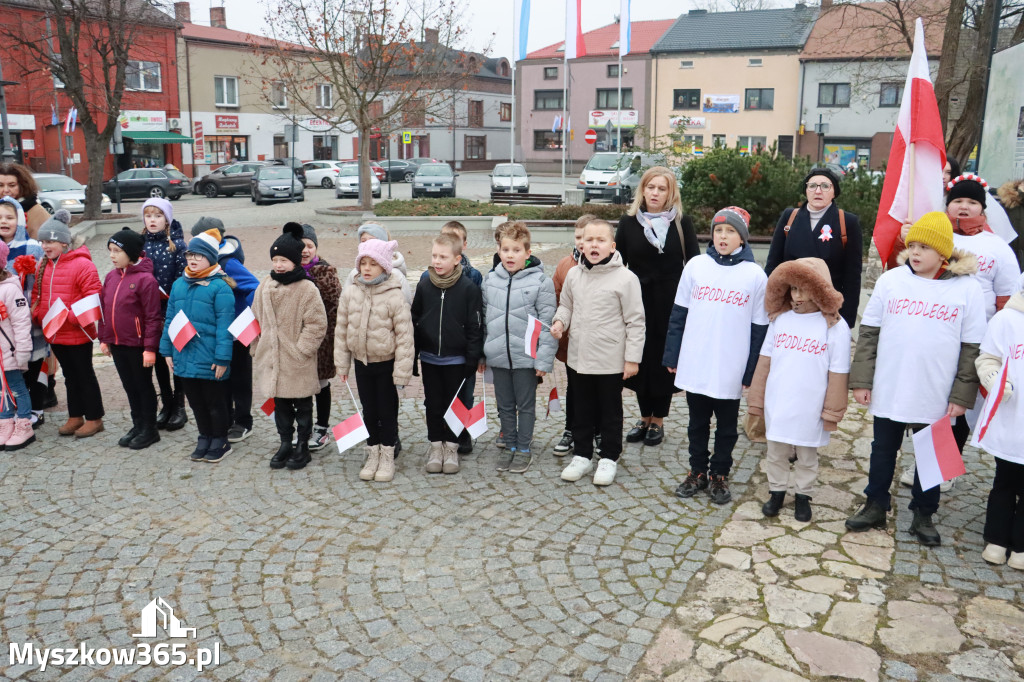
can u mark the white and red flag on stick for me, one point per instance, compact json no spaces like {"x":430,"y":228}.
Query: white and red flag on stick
{"x":938,"y":458}
{"x":181,"y":330}
{"x":350,"y":432}
{"x":245,"y":328}
{"x":55,"y":318}
{"x":532,"y":336}
{"x":44,"y":373}
{"x":993,"y":400}
{"x":913,"y":183}
{"x":87,"y":309}
{"x":554,"y":404}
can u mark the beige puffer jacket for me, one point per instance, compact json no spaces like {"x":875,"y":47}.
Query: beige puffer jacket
{"x":375,"y":325}
{"x":292,"y":323}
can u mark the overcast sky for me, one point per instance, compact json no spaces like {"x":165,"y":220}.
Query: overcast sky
{"x":487,"y":21}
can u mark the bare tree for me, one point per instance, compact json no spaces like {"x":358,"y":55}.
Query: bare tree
{"x":93,"y":41}
{"x":380,"y":63}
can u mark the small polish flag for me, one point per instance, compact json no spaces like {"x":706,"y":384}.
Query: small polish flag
{"x":350,"y":432}
{"x":532,"y":336}
{"x":455,"y":416}
{"x":55,"y":318}
{"x":474,"y":421}
{"x":245,"y":328}
{"x":87,"y":309}
{"x":554,"y":404}
{"x":268,"y":408}
{"x":44,"y":377}
{"x":181,"y":330}
{"x":163,"y":294}
{"x":992,"y":402}
{"x":938,"y":458}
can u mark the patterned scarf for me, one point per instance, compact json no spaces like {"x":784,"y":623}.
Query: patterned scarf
{"x":656,"y":226}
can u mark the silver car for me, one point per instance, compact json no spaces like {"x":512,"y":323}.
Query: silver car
{"x":510,"y":177}
{"x":59,"y":191}
{"x":275,"y":183}
{"x":346,"y":183}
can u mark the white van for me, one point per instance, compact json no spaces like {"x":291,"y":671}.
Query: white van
{"x":614,"y":176}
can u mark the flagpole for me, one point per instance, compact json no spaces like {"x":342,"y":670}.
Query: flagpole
{"x":512,"y":132}
{"x":910,"y":194}
{"x":618,"y":120}
{"x":353,"y":397}
{"x":565,"y":103}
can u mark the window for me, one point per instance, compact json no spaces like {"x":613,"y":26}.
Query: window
{"x":226,"y":148}
{"x":892,"y":94}
{"x":324,"y":96}
{"x":476,"y":147}
{"x":325,"y":147}
{"x":613,"y":70}
{"x":693,"y":143}
{"x":476,"y":113}
{"x":754,"y":61}
{"x":547,"y":99}
{"x":505,"y":111}
{"x":752,"y":144}
{"x":718,"y":141}
{"x":278,"y":95}
{"x":142,"y":76}
{"x":609,"y":98}
{"x":685,"y":63}
{"x":225,"y":91}
{"x":834,"y":95}
{"x":762,"y":99}
{"x":550,"y":73}
{"x":545,"y":139}
{"x":280,"y":147}
{"x":686,"y":99}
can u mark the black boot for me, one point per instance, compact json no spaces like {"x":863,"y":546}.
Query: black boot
{"x":871,"y":515}
{"x":924,"y":529}
{"x":178,"y":415}
{"x":303,"y":427}
{"x":166,"y":410}
{"x":774,"y":503}
{"x":147,"y":435}
{"x":283,"y":454}
{"x":284,"y":417}
{"x":51,"y":395}
{"x":803,"y":508}
{"x":126,"y":439}
{"x":398,"y":445}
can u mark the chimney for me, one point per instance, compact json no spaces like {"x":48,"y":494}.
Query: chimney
{"x":698,"y":11}
{"x":430,"y":35}
{"x":217,"y":19}
{"x":183,"y":12}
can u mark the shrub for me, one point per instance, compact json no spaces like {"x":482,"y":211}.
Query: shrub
{"x":467,"y":207}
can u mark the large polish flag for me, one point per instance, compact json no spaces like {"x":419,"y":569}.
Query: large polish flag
{"x":625,"y":28}
{"x":181,"y":330}
{"x":574,"y":46}
{"x":938,"y":458}
{"x":913,"y":185}
{"x":350,"y":432}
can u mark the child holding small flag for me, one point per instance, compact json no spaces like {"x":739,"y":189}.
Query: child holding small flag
{"x":130,"y":332}
{"x":999,"y":433}
{"x":67,"y":276}
{"x":293,"y":322}
{"x":15,"y":350}
{"x":602,"y":306}
{"x":515,"y":291}
{"x":446,"y":317}
{"x":374,"y":330}
{"x":197,"y":344}
{"x":914,"y":362}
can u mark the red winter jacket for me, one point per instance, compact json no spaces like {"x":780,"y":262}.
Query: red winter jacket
{"x":70,"y":277}
{"x":131,"y":307}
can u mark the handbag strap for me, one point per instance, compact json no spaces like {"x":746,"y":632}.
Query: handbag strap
{"x":842,"y":224}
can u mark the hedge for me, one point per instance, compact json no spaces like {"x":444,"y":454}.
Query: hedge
{"x":467,"y":207}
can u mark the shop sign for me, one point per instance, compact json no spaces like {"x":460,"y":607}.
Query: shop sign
{"x":688,"y":122}
{"x":143,"y":121}
{"x":721,"y":104}
{"x":599,"y":118}
{"x":21,"y":122}
{"x":225,"y":122}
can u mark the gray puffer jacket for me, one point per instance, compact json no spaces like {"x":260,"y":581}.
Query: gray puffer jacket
{"x":509,"y":300}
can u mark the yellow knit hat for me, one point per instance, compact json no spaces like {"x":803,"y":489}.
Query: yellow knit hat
{"x":934,"y":230}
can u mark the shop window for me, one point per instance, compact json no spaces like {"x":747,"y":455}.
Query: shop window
{"x":225,"y":91}
{"x":324,"y":147}
{"x":222,"y":149}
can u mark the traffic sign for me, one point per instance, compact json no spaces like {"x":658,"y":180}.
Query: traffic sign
{"x":406,"y":137}
{"x":590,"y":137}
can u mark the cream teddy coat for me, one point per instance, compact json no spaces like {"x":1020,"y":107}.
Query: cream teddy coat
{"x":292,"y":323}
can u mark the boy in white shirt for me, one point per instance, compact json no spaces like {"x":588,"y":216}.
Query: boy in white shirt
{"x":800,"y":384}
{"x":914,"y":362}
{"x":717,"y":326}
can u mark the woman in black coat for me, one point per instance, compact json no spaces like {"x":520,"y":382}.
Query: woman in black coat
{"x":655,"y":241}
{"x":815,"y":231}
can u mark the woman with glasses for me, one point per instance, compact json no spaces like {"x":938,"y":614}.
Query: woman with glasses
{"x":820,"y":229}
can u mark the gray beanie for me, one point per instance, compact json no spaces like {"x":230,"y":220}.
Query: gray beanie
{"x":208,"y":223}
{"x":375,"y":230}
{"x":56,"y":228}
{"x":735,"y":217}
{"x":309,"y":233}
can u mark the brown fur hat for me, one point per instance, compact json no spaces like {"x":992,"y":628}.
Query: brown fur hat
{"x":810,"y":274}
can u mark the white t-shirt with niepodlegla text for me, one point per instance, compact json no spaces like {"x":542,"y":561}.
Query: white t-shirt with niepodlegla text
{"x":723,"y":301}
{"x":997,"y":266}
{"x":922,"y":324}
{"x":1004,"y":437}
{"x":803,"y":350}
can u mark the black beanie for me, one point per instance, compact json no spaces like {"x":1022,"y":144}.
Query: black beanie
{"x":826,"y":172}
{"x":289,"y":244}
{"x":968,"y":186}
{"x":128,"y":241}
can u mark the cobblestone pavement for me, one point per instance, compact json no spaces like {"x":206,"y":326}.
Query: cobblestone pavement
{"x":485,"y":575}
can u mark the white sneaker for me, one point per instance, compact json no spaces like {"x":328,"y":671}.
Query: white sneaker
{"x":907,"y":478}
{"x":946,"y":486}
{"x":994,"y":554}
{"x":605,"y":474}
{"x":577,"y":469}
{"x":1016,"y":560}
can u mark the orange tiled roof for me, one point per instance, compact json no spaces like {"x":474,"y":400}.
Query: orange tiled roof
{"x":849,"y":31}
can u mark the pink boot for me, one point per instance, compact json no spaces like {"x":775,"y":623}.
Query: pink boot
{"x":6,"y":430}
{"x":22,"y":435}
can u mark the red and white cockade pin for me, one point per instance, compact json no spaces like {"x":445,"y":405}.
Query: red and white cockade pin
{"x":826,"y":233}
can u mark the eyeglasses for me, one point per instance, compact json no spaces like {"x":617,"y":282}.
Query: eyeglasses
{"x":824,"y":186}
{"x":190,"y":255}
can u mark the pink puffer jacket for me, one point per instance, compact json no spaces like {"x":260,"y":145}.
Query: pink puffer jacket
{"x":15,"y":325}
{"x":71,"y":277}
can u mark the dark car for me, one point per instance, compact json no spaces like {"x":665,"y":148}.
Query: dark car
{"x":399,"y":170}
{"x":275,"y":183}
{"x":434,"y":180}
{"x":295,"y":164}
{"x":136,"y":183}
{"x":229,"y":179}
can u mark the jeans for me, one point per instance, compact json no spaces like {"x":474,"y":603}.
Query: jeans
{"x":727,"y":415}
{"x":884,"y":451}
{"x":16,"y":381}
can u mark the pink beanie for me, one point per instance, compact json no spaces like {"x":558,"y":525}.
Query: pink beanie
{"x":378,"y":250}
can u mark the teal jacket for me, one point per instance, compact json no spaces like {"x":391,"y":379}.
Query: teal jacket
{"x":209,"y":305}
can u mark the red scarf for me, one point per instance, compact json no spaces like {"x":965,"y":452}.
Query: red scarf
{"x":970,"y":226}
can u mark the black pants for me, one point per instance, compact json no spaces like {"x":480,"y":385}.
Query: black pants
{"x":440,"y":384}
{"x":83,"y":390}
{"x":961,"y":432}
{"x":206,"y":398}
{"x":884,"y":451}
{"x":137,"y":382}
{"x":1004,"y":519}
{"x":323,"y":407}
{"x":599,"y":401}
{"x":240,"y":386}
{"x":36,"y":389}
{"x":379,"y":396}
{"x":293,"y":415}
{"x":654,"y":405}
{"x":698,"y":431}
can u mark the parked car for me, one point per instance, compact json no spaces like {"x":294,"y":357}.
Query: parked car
{"x":510,"y":177}
{"x":434,"y":180}
{"x":378,"y":170}
{"x":272,"y":183}
{"x":59,"y":191}
{"x":399,"y":170}
{"x":186,"y":181}
{"x":295,"y":164}
{"x":347,"y":184}
{"x":420,"y":160}
{"x":136,"y":183}
{"x":321,"y":173}
{"x":615,"y":176}
{"x":226,"y":180}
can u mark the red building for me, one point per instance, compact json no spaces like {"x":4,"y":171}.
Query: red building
{"x":149,"y":106}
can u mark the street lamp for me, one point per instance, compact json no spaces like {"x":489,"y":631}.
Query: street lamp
{"x":8,"y":154}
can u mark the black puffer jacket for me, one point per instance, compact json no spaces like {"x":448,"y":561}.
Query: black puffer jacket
{"x":448,"y":321}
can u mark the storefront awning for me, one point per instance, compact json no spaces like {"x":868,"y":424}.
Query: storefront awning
{"x":157,"y":136}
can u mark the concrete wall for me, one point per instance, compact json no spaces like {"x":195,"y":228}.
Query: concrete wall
{"x":1002,"y":142}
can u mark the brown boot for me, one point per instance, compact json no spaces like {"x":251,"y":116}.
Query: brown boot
{"x":70,"y":426}
{"x":89,"y":428}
